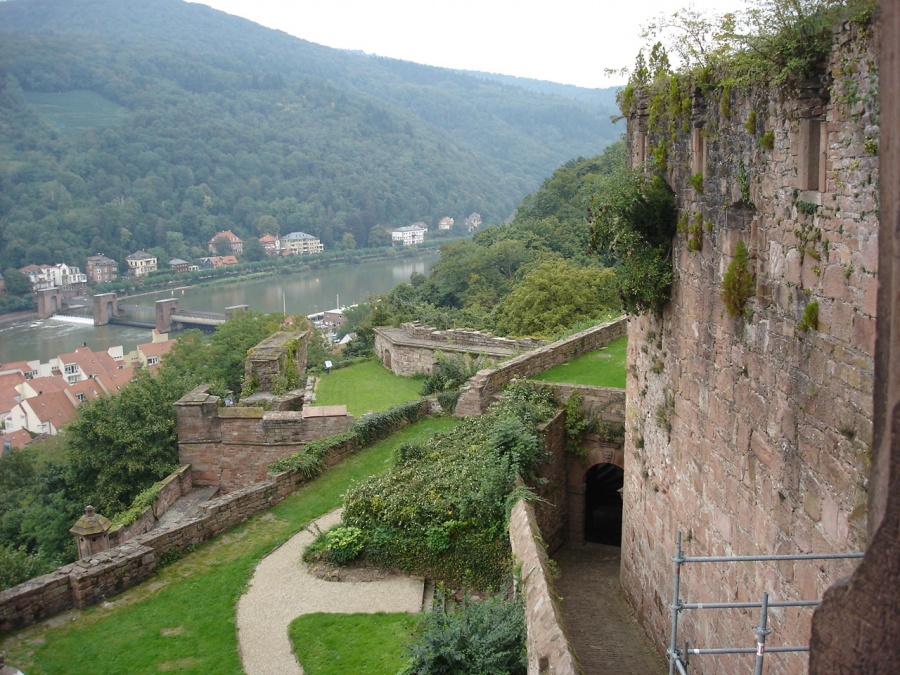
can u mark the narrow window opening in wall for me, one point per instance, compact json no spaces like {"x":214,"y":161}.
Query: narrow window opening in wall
{"x":812,"y":155}
{"x":698,"y":152}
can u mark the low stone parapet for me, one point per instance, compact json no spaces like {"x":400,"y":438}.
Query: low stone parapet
{"x":548,"y":645}
{"x":478,"y":393}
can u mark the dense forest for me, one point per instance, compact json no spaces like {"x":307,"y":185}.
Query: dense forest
{"x":126,"y":125}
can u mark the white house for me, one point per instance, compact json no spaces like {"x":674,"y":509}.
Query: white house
{"x":298,"y":243}
{"x":411,"y":234}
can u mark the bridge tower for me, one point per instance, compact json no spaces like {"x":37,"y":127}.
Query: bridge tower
{"x":106,"y":308}
{"x":49,"y":302}
{"x":164,"y":311}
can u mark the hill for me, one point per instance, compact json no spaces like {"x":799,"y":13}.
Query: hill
{"x":131,"y":125}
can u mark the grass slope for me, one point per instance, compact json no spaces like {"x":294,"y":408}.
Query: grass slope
{"x":183,"y":620}
{"x":364,"y":387}
{"x":602,"y":368}
{"x":362,"y":644}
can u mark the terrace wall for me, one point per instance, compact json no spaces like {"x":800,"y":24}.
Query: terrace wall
{"x":479,"y":391}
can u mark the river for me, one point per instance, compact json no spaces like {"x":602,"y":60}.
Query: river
{"x":305,"y":292}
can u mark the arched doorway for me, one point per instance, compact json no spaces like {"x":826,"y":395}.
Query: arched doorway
{"x":603,"y":504}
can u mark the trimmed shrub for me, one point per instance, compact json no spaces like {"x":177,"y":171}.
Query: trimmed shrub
{"x":486,"y":637}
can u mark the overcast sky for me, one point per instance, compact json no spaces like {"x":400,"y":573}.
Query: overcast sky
{"x":568,"y":41}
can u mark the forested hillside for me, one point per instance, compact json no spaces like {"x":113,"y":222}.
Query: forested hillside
{"x":128,"y":125}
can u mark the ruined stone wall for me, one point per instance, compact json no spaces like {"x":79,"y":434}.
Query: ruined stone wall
{"x":751,"y":435}
{"x":233,"y":447}
{"x":478,"y":393}
{"x":173,"y":486}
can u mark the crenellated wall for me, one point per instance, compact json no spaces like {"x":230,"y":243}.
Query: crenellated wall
{"x":232,"y":447}
{"x":751,"y":435}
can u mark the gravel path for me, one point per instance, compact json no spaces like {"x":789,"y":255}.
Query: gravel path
{"x":281,"y":590}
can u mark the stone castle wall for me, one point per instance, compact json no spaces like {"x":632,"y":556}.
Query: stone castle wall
{"x":88,"y":582}
{"x":412,"y":348}
{"x":232,"y":447}
{"x":478,"y":392}
{"x":751,"y":435}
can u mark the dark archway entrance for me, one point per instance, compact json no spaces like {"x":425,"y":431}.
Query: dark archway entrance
{"x":603,"y":504}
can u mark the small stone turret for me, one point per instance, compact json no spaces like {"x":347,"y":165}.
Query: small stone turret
{"x":91,"y":533}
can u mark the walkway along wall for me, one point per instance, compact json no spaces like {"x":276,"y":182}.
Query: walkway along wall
{"x":751,"y":435}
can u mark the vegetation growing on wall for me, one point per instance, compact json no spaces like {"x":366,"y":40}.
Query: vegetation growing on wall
{"x":633,"y":218}
{"x":739,"y":283}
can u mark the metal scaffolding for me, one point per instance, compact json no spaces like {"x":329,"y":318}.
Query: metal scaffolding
{"x":677,"y":655}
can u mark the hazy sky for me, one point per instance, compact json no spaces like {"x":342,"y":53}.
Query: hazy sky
{"x":569,"y":41}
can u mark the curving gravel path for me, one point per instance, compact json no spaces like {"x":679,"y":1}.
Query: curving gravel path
{"x":281,"y":590}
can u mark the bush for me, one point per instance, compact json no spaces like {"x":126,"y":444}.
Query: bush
{"x":486,"y":637}
{"x":450,"y":372}
{"x":442,"y":510}
{"x":366,"y":431}
{"x":18,"y":566}
{"x":739,"y":283}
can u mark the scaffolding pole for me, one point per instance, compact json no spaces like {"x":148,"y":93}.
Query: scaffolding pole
{"x":761,"y":631}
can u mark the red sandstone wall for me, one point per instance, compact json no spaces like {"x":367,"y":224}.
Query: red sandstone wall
{"x":548,"y":646}
{"x":745,"y":434}
{"x":233,"y":447}
{"x":481,"y":389}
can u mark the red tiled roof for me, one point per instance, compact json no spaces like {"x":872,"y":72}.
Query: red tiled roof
{"x":53,"y":407}
{"x":18,"y":439}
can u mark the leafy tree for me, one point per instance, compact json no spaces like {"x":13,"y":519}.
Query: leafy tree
{"x":16,"y":282}
{"x":222,"y":245}
{"x":633,"y":218}
{"x":253,"y":250}
{"x":555,"y":295}
{"x":121,"y":444}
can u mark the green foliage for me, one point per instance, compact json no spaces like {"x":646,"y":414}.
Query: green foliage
{"x":767,"y":140}
{"x":554,"y":295}
{"x":145,"y":498}
{"x":119,"y":445}
{"x":38,"y":505}
{"x":810,"y":318}
{"x":633,"y":217}
{"x":739,"y":283}
{"x":486,"y":637}
{"x":744,"y":184}
{"x":448,"y":401}
{"x":18,"y":566}
{"x":339,"y":545}
{"x":450,"y":372}
{"x":16,"y":282}
{"x":576,"y":424}
{"x":697,"y":182}
{"x":750,"y":124}
{"x":442,"y":511}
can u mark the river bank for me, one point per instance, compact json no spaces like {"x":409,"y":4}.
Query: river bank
{"x":295,"y":292}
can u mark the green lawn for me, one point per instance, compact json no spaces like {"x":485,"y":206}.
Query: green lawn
{"x":602,"y":368}
{"x":362,"y":644}
{"x":183,"y":619}
{"x":364,"y":387}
